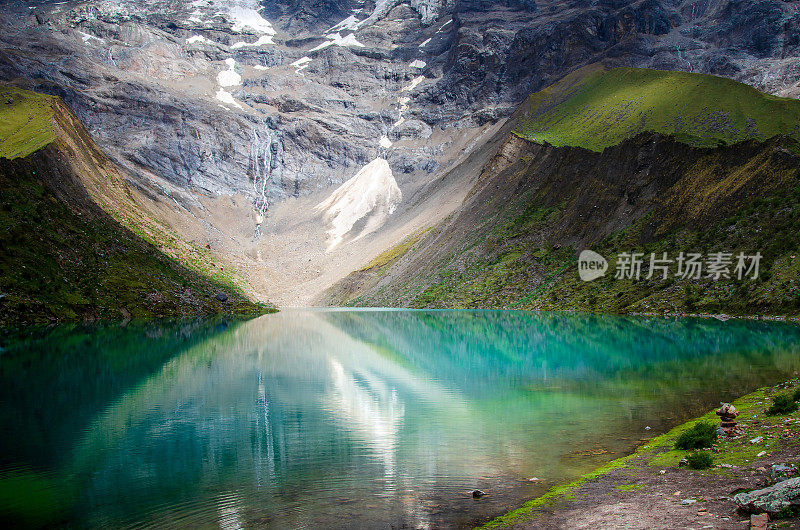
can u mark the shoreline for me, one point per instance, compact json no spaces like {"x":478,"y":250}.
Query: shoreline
{"x":648,"y":489}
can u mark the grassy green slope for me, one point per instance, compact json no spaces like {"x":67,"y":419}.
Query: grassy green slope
{"x":62,"y":256}
{"x":595,"y":109}
{"x":644,"y":161}
{"x":26,"y":122}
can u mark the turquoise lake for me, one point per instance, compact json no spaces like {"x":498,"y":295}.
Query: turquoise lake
{"x":348,"y":418}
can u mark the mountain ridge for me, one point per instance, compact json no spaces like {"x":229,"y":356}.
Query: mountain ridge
{"x":514,"y":241}
{"x":65,"y":255}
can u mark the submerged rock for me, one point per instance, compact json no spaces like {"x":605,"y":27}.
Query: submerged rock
{"x":477,"y":494}
{"x":774,"y":499}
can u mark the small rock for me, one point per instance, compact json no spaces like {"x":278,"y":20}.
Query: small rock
{"x":533,"y":479}
{"x":727,"y":466}
{"x":759,"y":522}
{"x":222,"y":297}
{"x":663,"y":471}
{"x":687,"y":502}
{"x":647,"y":428}
{"x":477,"y":494}
{"x":683,"y":462}
{"x":762,"y":453}
{"x":757,"y":440}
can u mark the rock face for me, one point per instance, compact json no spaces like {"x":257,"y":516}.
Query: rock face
{"x":280,"y":99}
{"x":271,"y":104}
{"x":774,"y":499}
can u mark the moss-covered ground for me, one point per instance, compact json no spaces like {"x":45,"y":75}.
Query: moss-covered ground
{"x":600,"y":108}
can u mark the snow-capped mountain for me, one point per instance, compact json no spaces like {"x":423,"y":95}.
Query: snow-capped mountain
{"x":276,"y":101}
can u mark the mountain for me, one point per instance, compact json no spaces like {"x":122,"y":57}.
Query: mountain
{"x":62,"y":255}
{"x":594,"y":109}
{"x":514,"y":242}
{"x":237,"y":119}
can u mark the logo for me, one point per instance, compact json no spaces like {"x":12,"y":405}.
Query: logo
{"x":591,"y":265}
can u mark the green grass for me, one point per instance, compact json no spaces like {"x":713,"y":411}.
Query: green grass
{"x":64,"y":261}
{"x":782,"y":404}
{"x":26,"y":122}
{"x":388,"y":257}
{"x":595,"y":109}
{"x":659,"y":453}
{"x":701,"y":435}
{"x":700,"y":460}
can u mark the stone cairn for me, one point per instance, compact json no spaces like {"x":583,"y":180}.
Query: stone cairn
{"x":727,"y":414}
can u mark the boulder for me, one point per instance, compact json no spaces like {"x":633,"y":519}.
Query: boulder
{"x":774,"y":499}
{"x":781,"y":472}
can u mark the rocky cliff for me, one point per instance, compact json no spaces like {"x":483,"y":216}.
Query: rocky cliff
{"x":515,"y":240}
{"x":62,"y":255}
{"x":261,"y":104}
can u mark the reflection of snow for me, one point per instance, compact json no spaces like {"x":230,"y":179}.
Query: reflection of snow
{"x":229,"y":77}
{"x":371,"y":409}
{"x":372,"y":193}
{"x":229,"y":505}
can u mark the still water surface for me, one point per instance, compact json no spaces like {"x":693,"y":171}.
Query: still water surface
{"x":363,"y":419}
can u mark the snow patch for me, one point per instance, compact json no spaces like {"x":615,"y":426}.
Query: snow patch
{"x":262,"y":41}
{"x":418,"y":64}
{"x":337,"y":40}
{"x":385,"y":142}
{"x":350,"y":23}
{"x":261,"y":67}
{"x":194,"y":39}
{"x":302,"y":63}
{"x":229,"y":77}
{"x":227,"y":98}
{"x":85,"y":37}
{"x":417,"y":80}
{"x":424,"y":43}
{"x":381,"y":8}
{"x":371,"y":194}
{"x":399,"y":122}
{"x":249,"y":18}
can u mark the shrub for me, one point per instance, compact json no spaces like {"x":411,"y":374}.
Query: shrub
{"x":782,"y":404}
{"x":700,"y":460}
{"x":701,"y":435}
{"x":796,"y":395}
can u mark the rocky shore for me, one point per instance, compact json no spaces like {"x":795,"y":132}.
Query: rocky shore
{"x":752,"y":481}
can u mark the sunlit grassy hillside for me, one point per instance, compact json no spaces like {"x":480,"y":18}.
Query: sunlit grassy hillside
{"x":26,"y":122}
{"x":595,"y":109}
